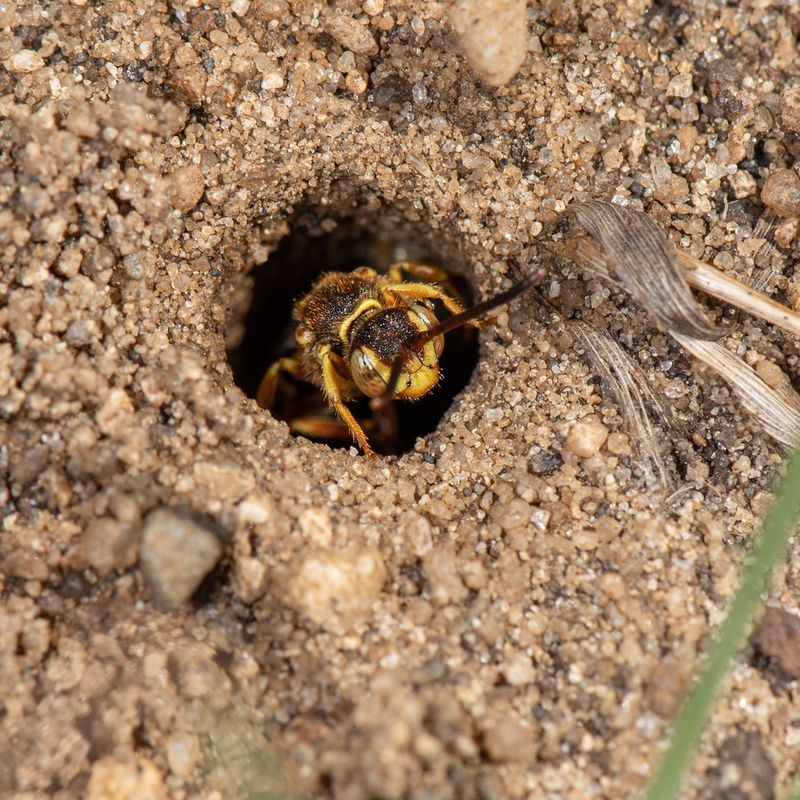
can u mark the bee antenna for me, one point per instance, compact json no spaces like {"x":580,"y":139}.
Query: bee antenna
{"x":449,"y":324}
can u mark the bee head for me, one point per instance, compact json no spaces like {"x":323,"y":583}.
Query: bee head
{"x":389,"y":334}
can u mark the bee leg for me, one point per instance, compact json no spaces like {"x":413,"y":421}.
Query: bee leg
{"x":409,"y":290}
{"x":332,"y":386}
{"x":422,"y":272}
{"x":319,"y":426}
{"x":265,"y":396}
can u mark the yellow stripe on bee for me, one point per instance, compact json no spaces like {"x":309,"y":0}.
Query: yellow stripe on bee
{"x":344,"y":327}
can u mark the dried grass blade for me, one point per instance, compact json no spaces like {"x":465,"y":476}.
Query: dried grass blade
{"x":718,"y":284}
{"x":779,"y":418}
{"x":624,"y":378}
{"x":639,"y":255}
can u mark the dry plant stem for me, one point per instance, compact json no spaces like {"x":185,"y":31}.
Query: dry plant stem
{"x":718,"y":284}
{"x":776,"y":412}
{"x":630,"y":247}
{"x":623,"y":377}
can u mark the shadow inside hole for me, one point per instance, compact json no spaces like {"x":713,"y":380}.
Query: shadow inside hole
{"x":317,"y":244}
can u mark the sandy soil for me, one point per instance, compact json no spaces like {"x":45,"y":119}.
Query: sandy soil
{"x":513,"y":607}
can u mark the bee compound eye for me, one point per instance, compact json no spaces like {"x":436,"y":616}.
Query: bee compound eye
{"x":429,"y":320}
{"x":365,"y":374}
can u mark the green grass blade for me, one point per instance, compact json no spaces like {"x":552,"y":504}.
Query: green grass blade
{"x":770,"y":547}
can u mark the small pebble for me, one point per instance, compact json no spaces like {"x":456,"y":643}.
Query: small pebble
{"x":24,"y":61}
{"x":781,"y":193}
{"x":187,"y":187}
{"x":519,"y":670}
{"x":778,"y":637}
{"x":619,"y":444}
{"x":352,"y":34}
{"x":441,"y":569}
{"x":586,"y":438}
{"x":356,"y":82}
{"x":790,"y":108}
{"x":183,"y":753}
{"x":108,"y":544}
{"x":509,"y":740}
{"x":113,"y":778}
{"x":770,"y":373}
{"x":336,"y":587}
{"x":493,"y":35}
{"x":177,"y":553}
{"x":516,"y":513}
{"x":190,"y":82}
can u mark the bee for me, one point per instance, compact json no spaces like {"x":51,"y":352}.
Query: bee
{"x":366,"y":334}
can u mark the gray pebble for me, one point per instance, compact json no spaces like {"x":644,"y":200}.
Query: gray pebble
{"x":177,"y":553}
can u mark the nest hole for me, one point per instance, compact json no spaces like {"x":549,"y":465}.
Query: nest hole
{"x":263,"y":329}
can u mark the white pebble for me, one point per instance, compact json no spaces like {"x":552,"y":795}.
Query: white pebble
{"x":25,"y":61}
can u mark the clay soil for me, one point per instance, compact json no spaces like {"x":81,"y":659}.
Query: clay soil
{"x":491,"y":613}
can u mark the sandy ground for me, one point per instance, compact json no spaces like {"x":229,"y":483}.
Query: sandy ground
{"x":502,"y":611}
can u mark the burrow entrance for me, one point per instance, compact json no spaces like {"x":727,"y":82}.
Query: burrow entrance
{"x":318,"y":243}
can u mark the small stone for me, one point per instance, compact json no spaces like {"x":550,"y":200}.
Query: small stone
{"x":352,"y":34}
{"x":177,"y":553}
{"x":187,"y":187}
{"x":184,"y":55}
{"x":26,"y":565}
{"x":744,"y":769}
{"x":108,"y":544}
{"x":545,"y":462}
{"x":619,"y":444}
{"x":519,"y":670}
{"x":781,"y":193}
{"x":336,"y":587}
{"x":778,"y":637}
{"x":514,"y":514}
{"x":667,"y":186}
{"x":743,"y":184}
{"x":115,"y":779}
{"x":493,"y":35}
{"x":441,"y":569}
{"x":785,"y":232}
{"x":266,"y":10}
{"x":346,"y":62}
{"x":190,"y":82}
{"x":114,"y":416}
{"x":586,"y":438}
{"x":24,"y":61}
{"x":509,"y":739}
{"x":315,"y":525}
{"x":665,"y":688}
{"x":770,"y":373}
{"x":373,"y":7}
{"x":183,"y":753}
{"x":356,"y":82}
{"x":790,"y":108}
{"x":680,"y":86}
